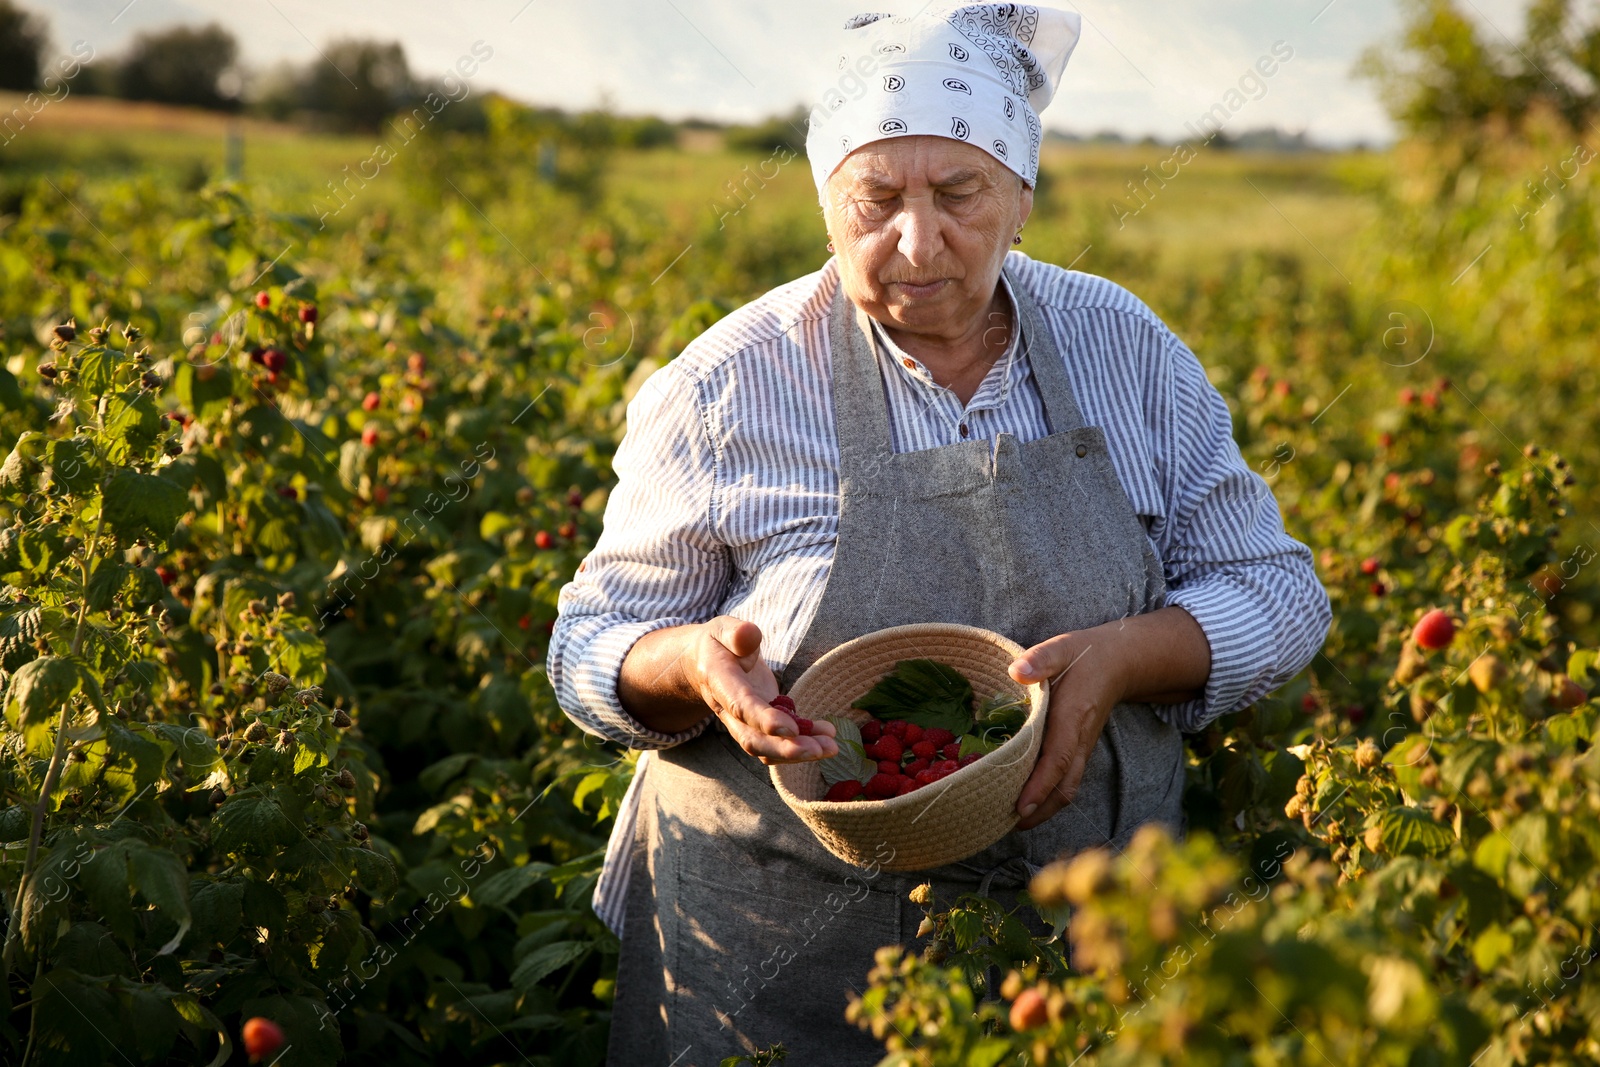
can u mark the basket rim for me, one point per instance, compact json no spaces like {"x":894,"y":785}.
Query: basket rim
{"x":1040,"y":698}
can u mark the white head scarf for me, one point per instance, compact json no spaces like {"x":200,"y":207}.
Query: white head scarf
{"x":979,"y":73}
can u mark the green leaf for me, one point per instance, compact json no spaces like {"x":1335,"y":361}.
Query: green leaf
{"x":164,"y":882}
{"x":1411,"y":830}
{"x":1492,"y":856}
{"x":107,"y":578}
{"x":965,"y":927}
{"x":971,"y":743}
{"x":201,"y":390}
{"x":97,"y":369}
{"x":1492,"y":946}
{"x":500,"y":889}
{"x":132,"y":426}
{"x":73,"y":464}
{"x":544,"y":962}
{"x":216,"y":908}
{"x":136,"y":504}
{"x":20,"y":467}
{"x":925,"y":692}
{"x":374,"y":872}
{"x":39,"y":689}
{"x":253,"y":822}
{"x":851,"y":761}
{"x":103,"y":876}
{"x":436,"y":776}
{"x":1580,"y":664}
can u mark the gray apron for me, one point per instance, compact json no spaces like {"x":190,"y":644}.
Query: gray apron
{"x":742,"y":931}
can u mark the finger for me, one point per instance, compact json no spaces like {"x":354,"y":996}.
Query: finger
{"x":770,"y":749}
{"x":1063,"y":792}
{"x":740,"y":637}
{"x":735,"y":698}
{"x":1047,"y":659}
{"x":1039,"y":799}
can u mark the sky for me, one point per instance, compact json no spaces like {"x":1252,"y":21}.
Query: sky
{"x":1144,"y":68}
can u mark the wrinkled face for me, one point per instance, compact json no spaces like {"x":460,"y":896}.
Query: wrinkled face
{"x":921,"y":226}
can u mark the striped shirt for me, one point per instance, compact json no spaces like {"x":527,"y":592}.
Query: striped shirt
{"x":727,"y":496}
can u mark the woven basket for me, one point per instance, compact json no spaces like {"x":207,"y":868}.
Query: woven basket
{"x":955,"y":817}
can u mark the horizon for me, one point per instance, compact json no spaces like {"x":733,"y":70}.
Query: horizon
{"x":694,"y":60}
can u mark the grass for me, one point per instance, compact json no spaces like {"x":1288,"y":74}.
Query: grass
{"x":1126,"y":200}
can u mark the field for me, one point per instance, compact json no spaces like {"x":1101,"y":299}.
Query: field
{"x":290,"y":503}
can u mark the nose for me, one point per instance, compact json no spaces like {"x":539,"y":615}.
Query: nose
{"x":921,"y":231}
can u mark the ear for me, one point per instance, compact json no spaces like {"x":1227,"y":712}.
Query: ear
{"x":1024,"y":204}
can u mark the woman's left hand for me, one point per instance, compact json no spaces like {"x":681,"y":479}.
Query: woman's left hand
{"x":1161,"y":657}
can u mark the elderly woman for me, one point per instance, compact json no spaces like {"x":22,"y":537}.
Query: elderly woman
{"x":932,"y":427}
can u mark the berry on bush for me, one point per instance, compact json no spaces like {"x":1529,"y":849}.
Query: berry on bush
{"x":262,"y":1037}
{"x":263,"y":300}
{"x":1435,"y":630}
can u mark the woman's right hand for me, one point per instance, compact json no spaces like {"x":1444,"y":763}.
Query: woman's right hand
{"x":671,"y":677}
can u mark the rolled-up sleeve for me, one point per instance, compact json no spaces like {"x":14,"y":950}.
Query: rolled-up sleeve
{"x":657,"y":563}
{"x":1227,"y":558}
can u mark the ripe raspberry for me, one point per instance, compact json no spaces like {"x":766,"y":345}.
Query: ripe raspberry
{"x":951,"y":751}
{"x":926,"y":777}
{"x":1369,"y":565}
{"x":871,"y":730}
{"x":804,"y":726}
{"x":917,"y":765}
{"x":263,"y":300}
{"x":946,"y":766}
{"x":308,"y":313}
{"x":939,"y":736}
{"x":784,"y":701}
{"x":971,"y":757}
{"x":913,"y":733}
{"x":896,"y":728}
{"x":569,"y":530}
{"x":542,"y":540}
{"x":881,"y":786}
{"x":370,"y":402}
{"x":907,"y":785}
{"x":887,"y":747}
{"x":369,"y":435}
{"x":848,"y":789}
{"x":575,"y":498}
{"x":1434,"y":630}
{"x":274,"y":359}
{"x":888,"y":766}
{"x":923,"y":749}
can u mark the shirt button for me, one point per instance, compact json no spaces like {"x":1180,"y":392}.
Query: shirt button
{"x":1082,"y":451}
{"x":911,"y":364}
{"x":963,"y":429}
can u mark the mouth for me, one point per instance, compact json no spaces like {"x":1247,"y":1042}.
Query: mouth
{"x":920,"y":289}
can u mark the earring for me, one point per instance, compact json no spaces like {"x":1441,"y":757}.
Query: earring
{"x":1017,"y":240}
{"x":830,"y":244}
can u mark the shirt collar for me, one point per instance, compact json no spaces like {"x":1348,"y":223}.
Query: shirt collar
{"x":996,"y":384}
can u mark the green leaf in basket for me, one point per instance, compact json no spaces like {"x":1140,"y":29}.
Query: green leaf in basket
{"x":925,"y":692}
{"x":1004,"y":711}
{"x":852,"y":761}
{"x":971,"y":743}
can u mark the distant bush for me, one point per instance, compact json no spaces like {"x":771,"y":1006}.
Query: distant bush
{"x":780,"y":131}
{"x":22,"y":41}
{"x":182,"y":65}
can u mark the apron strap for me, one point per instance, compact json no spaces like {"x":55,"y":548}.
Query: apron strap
{"x":860,"y":406}
{"x":1044,"y":359}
